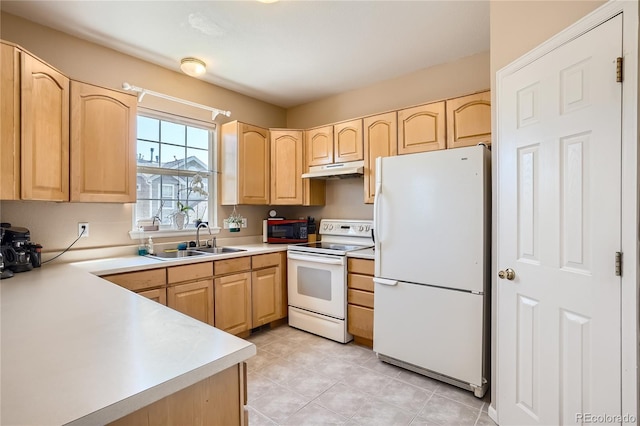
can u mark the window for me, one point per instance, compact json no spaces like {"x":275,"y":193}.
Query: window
{"x":174,"y":159}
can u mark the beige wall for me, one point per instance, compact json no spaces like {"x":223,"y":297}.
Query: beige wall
{"x":518,"y":26}
{"x":55,"y":224}
{"x":460,"y":77}
{"x":345,"y":198}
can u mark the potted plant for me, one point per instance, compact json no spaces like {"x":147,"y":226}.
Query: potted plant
{"x":181,"y":216}
{"x":234,"y":223}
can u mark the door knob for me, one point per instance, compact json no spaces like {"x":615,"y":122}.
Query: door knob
{"x":508,"y":273}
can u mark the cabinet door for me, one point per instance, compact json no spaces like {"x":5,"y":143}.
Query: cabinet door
{"x":103,"y":144}
{"x":266,"y":295}
{"x":319,"y":146}
{"x":10,"y":119}
{"x":286,"y":167}
{"x":45,"y":132}
{"x":380,"y":140}
{"x":360,"y":321}
{"x":469,"y":120}
{"x":194,"y":299}
{"x":421,"y":128}
{"x":157,"y":295}
{"x":254,"y":165}
{"x":347,"y":144}
{"x":233,"y":303}
{"x":244,"y":164}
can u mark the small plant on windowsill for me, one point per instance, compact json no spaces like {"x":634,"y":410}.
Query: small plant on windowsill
{"x":181,"y":215}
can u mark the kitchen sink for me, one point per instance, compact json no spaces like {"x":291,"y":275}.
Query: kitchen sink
{"x":218,"y":250}
{"x":177,"y":254}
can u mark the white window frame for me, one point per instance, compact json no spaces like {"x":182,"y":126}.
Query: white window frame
{"x":135,"y":233}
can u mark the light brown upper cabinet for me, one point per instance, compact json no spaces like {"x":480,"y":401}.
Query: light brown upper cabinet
{"x":469,"y":120}
{"x":319,"y":146}
{"x":10,"y":122}
{"x":244,"y":164}
{"x":103,"y":144}
{"x":380,"y":140}
{"x":38,"y":105}
{"x":44,"y":131}
{"x":347,"y":141}
{"x":286,"y":166}
{"x":421,"y":128}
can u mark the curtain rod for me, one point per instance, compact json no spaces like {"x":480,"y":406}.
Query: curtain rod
{"x":141,"y":92}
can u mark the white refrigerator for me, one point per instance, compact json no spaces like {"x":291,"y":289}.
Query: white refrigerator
{"x":432,"y":263}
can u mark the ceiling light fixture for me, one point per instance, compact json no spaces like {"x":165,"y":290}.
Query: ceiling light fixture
{"x":267,"y":1}
{"x":193,"y":67}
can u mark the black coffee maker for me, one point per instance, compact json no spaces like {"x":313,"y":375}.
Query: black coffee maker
{"x":19,"y":254}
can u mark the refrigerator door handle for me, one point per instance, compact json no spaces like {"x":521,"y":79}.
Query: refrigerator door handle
{"x":385,"y":281}
{"x":376,"y":204}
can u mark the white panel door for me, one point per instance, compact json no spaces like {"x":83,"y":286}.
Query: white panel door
{"x":559,"y":225}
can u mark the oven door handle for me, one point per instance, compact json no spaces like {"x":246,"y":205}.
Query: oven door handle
{"x":316,"y":259}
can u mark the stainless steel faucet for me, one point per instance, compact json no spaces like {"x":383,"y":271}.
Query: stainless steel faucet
{"x":200,"y":225}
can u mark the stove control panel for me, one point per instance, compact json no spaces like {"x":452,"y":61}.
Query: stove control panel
{"x":352,"y":228}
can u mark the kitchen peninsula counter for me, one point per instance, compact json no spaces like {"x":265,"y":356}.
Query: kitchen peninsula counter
{"x":78,"y":349}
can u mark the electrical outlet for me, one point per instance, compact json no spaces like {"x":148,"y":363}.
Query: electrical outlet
{"x":85,"y":226}
{"x":244,"y":222}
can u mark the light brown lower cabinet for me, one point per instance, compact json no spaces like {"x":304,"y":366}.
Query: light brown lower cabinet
{"x":217,"y":400}
{"x":151,"y":283}
{"x":268,"y":288}
{"x":157,"y":295}
{"x":193,"y":298}
{"x":233,"y":302}
{"x":360,"y":300}
{"x":233,"y":295}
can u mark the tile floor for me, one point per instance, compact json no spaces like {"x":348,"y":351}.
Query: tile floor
{"x":298,"y":378}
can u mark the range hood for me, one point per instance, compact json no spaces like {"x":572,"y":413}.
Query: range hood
{"x":335,"y":171}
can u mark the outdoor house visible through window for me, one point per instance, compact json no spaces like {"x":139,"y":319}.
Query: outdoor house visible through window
{"x":174,"y":172}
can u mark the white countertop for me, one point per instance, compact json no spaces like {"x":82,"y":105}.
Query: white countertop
{"x":138,"y":263}
{"x":78,"y":349}
{"x":367,"y":253}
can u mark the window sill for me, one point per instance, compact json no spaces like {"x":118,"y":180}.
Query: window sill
{"x":163,"y":233}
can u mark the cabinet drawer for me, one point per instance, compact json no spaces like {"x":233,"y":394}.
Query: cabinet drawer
{"x":265,"y":260}
{"x":135,"y":281}
{"x":360,"y":321}
{"x":360,"y":266}
{"x":228,"y":266}
{"x":358,"y":297}
{"x":360,"y":282}
{"x":176,"y":274}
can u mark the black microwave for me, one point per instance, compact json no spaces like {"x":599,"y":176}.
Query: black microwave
{"x":284,"y":231}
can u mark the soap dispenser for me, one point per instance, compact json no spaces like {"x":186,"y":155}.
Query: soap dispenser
{"x":150,"y":246}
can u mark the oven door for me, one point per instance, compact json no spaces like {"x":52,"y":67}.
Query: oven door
{"x":317,"y":283}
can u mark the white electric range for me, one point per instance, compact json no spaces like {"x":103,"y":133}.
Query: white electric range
{"x":317,"y":277}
